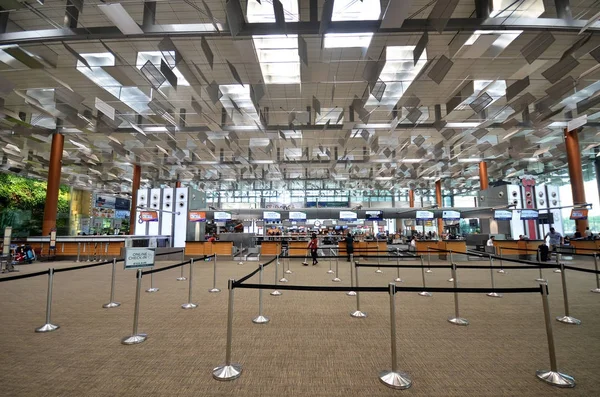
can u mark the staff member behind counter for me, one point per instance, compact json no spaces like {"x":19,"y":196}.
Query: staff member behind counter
{"x":349,"y":245}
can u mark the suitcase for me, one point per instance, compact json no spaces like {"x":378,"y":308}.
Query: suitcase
{"x":544,"y":253}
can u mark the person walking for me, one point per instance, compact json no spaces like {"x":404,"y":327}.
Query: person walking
{"x":556,"y":240}
{"x":313,"y":246}
{"x":349,"y":245}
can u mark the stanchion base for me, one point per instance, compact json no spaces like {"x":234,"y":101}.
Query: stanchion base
{"x":425,"y":293}
{"x":494,"y":295}
{"x":47,"y":328}
{"x":568,"y":320}
{"x":240,"y":263}
{"x":152,"y":289}
{"x":181,"y":279}
{"x":557,"y":271}
{"x":283,"y":280}
{"x":214,"y":290}
{"x":351,"y":293}
{"x":596,"y":290}
{"x":555,"y":378}
{"x":395,"y":380}
{"x":330,"y":271}
{"x":189,"y":306}
{"x":261,"y":320}
{"x":428,"y":271}
{"x":336,"y":280}
{"x":458,"y":321}
{"x":288,"y":272}
{"x":134,"y":339}
{"x":540,"y":280}
{"x":398,"y":280}
{"x":378,"y":271}
{"x":450,"y":280}
{"x":227,"y":372}
{"x":502,"y":271}
{"x":111,"y":305}
{"x":358,"y":314}
{"x":275,"y":293}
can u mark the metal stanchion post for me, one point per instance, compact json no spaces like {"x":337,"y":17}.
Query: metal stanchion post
{"x":330,"y":271}
{"x":282,"y":279}
{"x":557,"y":270}
{"x":241,"y":262}
{"x":423,"y":293}
{"x":451,"y":279}
{"x":501,"y":263}
{"x":214,"y":288}
{"x":552,"y":376}
{"x":89,"y":248}
{"x":567,"y":319}
{"x":276,"y":292}
{"x":152,"y":287}
{"x":136,"y":337}
{"x":378,"y":259}
{"x":106,"y":250}
{"x":393,"y":378}
{"x":351,"y":293}
{"x":429,"y":261}
{"x":229,"y":370}
{"x":456,"y":319}
{"x":357,"y":313}
{"x":493,"y":294}
{"x":78,"y":251}
{"x":189,"y":304}
{"x":398,"y":279}
{"x":288,"y":271}
{"x":48,"y":326}
{"x":98,"y":252}
{"x":181,"y":276}
{"x":597,"y":289}
{"x":260,"y":319}
{"x":112,"y":302}
{"x":305,"y":263}
{"x":337,"y":278}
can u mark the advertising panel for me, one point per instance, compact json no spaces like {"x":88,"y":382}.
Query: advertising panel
{"x":148,"y":216}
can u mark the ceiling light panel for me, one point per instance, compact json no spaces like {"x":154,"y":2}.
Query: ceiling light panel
{"x":119,"y":16}
{"x":352,"y":10}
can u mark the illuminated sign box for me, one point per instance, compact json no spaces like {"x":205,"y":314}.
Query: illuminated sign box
{"x":503,"y":215}
{"x":222,"y":216}
{"x":374,"y":215}
{"x":579,"y":214}
{"x":297,"y":216}
{"x":451,"y":215}
{"x":149,"y":216}
{"x":348,"y":216}
{"x":529,"y":215}
{"x":424,"y":215}
{"x":270,"y":216}
{"x":197,"y":216}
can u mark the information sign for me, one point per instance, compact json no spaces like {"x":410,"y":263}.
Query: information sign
{"x":138,"y":258}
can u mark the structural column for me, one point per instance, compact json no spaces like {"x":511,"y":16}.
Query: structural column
{"x":483,"y":175}
{"x":53,"y":184}
{"x":597,"y":169}
{"x":411,"y":203}
{"x":575,"y":174}
{"x":438,"y":199}
{"x":135,"y":185}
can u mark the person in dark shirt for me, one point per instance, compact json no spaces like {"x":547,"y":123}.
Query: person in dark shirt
{"x":349,"y":245}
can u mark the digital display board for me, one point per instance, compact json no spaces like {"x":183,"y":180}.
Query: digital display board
{"x":503,"y":215}
{"x":424,"y":215}
{"x":270,"y":216}
{"x":348,"y":216}
{"x":297,"y":216}
{"x":528,"y":215}
{"x":374,"y":215}
{"x":451,"y":215}
{"x":579,"y":214}
{"x":222,"y":216}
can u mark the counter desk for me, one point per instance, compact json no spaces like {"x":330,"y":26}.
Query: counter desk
{"x":270,"y":248}
{"x":516,"y":248}
{"x":199,"y":248}
{"x":585,"y":245}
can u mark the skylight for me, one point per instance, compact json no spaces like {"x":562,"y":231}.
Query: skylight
{"x":517,"y":9}
{"x":263,"y":11}
{"x":347,"y":40}
{"x":130,"y":96}
{"x":398,"y":74}
{"x":154,"y":57}
{"x":352,"y":10}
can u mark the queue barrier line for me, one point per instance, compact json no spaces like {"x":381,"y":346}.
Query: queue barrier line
{"x":246,"y":277}
{"x":360,"y":264}
{"x":20,"y":276}
{"x":68,"y":269}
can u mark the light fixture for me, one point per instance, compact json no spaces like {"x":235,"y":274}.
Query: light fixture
{"x":121,"y":18}
{"x":470,"y":160}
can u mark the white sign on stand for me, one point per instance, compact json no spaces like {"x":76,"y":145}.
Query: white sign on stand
{"x":138,"y":258}
{"x":7,"y":236}
{"x":153,"y":242}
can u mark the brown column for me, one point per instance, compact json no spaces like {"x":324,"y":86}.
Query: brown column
{"x":135,"y":185}
{"x":54,"y":172}
{"x":411,"y":198}
{"x":575,"y":174}
{"x":438,"y":199}
{"x":483,"y":175}
{"x":178,"y":184}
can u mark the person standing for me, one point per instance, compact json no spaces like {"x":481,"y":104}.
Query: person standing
{"x":313,"y":246}
{"x":556,"y":239}
{"x":349,"y":245}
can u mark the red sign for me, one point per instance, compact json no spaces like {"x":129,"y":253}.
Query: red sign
{"x":197,"y":216}
{"x":579,"y":214}
{"x":148,"y":216}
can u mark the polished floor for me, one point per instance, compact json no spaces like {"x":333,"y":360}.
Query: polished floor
{"x":311,"y":347}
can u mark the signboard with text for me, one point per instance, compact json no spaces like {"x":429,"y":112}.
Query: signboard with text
{"x":424,"y":215}
{"x":270,"y":216}
{"x":297,"y":216}
{"x":53,"y":239}
{"x":222,"y":216}
{"x":579,"y":215}
{"x":450,"y":215}
{"x":148,"y":216}
{"x":348,"y":216}
{"x":6,"y":244}
{"x":374,"y":215}
{"x":139,"y":258}
{"x":503,"y":215}
{"x":529,"y":215}
{"x":197,"y":216}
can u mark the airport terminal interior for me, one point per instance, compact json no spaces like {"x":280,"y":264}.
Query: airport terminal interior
{"x":299,"y":197}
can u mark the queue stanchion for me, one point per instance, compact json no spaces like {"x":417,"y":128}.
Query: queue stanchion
{"x":351,"y":293}
{"x":597,"y":289}
{"x":106,"y":250}
{"x":288,"y":271}
{"x":282,"y":279}
{"x":337,"y":278}
{"x":189,"y":304}
{"x":136,"y":337}
{"x":78,"y":251}
{"x":552,"y":376}
{"x":398,"y":279}
{"x":260,"y":319}
{"x":229,"y":370}
{"x":305,"y":263}
{"x":330,"y":271}
{"x":424,"y":292}
{"x":181,"y":276}
{"x":48,"y":326}
{"x":392,"y":378}
{"x":566,"y":319}
{"x":428,"y":261}
{"x":378,"y":259}
{"x":558,"y":269}
{"x":152,"y":287}
{"x":276,"y":292}
{"x":493,"y":294}
{"x":451,"y":279}
{"x":214,"y":288}
{"x":241,"y":252}
{"x":456,"y":319}
{"x":541,"y":278}
{"x":88,"y":250}
{"x":357,"y":313}
{"x":501,"y":271}
{"x":112,"y":302}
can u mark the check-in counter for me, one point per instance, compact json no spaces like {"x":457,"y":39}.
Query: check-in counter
{"x":270,"y":248}
{"x":585,"y":245}
{"x":298,"y":248}
{"x":199,"y":248}
{"x":83,"y":248}
{"x":422,"y":246}
{"x":456,"y":246}
{"x":517,"y":247}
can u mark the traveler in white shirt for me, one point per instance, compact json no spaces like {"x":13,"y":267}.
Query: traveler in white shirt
{"x":490,"y":242}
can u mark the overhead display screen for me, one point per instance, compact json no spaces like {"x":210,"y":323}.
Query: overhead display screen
{"x":297,"y":216}
{"x":374,"y":215}
{"x":528,"y":215}
{"x":271,"y":216}
{"x":503,"y":215}
{"x":222,"y":216}
{"x":579,"y":214}
{"x":348,"y":216}
{"x":450,"y":215}
{"x":424,"y":215}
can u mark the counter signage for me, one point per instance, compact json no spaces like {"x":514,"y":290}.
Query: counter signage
{"x":348,"y":216}
{"x":374,"y":215}
{"x":138,"y":258}
{"x":424,"y":215}
{"x":222,"y":216}
{"x":450,"y":215}
{"x":197,"y":216}
{"x":270,"y":216}
{"x":503,"y":215}
{"x":579,"y":214}
{"x":528,"y":215}
{"x":297,"y":216}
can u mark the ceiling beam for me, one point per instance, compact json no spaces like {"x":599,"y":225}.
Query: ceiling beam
{"x":194,"y":30}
